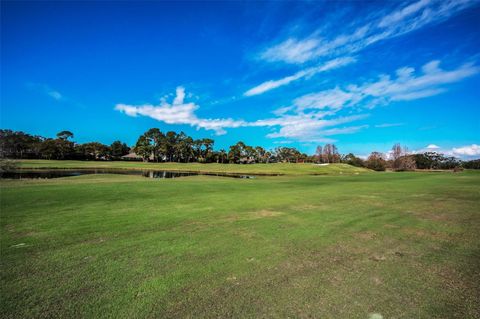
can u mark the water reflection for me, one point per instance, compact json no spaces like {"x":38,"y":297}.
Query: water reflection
{"x":55,"y":173}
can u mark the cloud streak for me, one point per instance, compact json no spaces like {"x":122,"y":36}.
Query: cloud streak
{"x":406,"y":19}
{"x":405,"y":86}
{"x":384,"y":125}
{"x":273,"y":84}
{"x":45,"y":89}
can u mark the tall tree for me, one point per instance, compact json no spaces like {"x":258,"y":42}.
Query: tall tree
{"x":119,"y":149}
{"x":65,"y":148}
{"x":236,"y":152}
{"x":401,"y":160}
{"x":96,"y":150}
{"x":260,"y":154}
{"x":208,"y":145}
{"x":143,"y":148}
{"x":330,"y":154}
{"x":155,"y":139}
{"x":49,"y":148}
{"x":169,"y":145}
{"x":222,"y":156}
{"x":64,"y":135}
{"x":319,"y":153}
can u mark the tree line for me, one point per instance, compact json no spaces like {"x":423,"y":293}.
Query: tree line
{"x":17,"y":144}
{"x":401,"y":160}
{"x":153,"y":145}
{"x":156,"y":146}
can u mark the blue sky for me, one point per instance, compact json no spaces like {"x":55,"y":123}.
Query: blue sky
{"x":364,"y":75}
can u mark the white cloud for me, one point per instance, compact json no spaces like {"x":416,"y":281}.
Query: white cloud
{"x":47,"y":90}
{"x":403,"y":13}
{"x":404,"y":87}
{"x":388,"y":125}
{"x":180,"y":96}
{"x":272,"y":84}
{"x":178,"y":113}
{"x":291,"y":51}
{"x":312,"y":127}
{"x":311,"y":117}
{"x":469,"y":150}
{"x":55,"y":95}
{"x":291,"y":122}
{"x":465,"y":152}
{"x":334,"y":99}
{"x":406,"y":19}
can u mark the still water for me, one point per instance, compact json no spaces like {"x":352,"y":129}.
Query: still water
{"x":55,"y":173}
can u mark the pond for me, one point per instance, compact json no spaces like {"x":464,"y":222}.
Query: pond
{"x":55,"y":173}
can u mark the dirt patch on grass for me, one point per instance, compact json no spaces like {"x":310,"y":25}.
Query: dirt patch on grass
{"x":463,"y":290}
{"x":11,"y":230}
{"x":318,"y":282}
{"x":308,"y":207}
{"x":264,"y":213}
{"x":435,"y":216}
{"x":427,"y":234}
{"x":367,"y":235}
{"x":391,"y":226}
{"x":246,"y":233}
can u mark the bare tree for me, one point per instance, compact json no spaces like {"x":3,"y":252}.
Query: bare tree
{"x":401,"y":160}
{"x":330,"y":154}
{"x":318,"y":154}
{"x":396,"y":155}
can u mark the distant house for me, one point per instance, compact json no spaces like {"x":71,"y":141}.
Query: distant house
{"x":135,"y":157}
{"x":247,"y":160}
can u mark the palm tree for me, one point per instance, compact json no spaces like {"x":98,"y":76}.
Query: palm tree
{"x":222,"y":154}
{"x":208,"y":144}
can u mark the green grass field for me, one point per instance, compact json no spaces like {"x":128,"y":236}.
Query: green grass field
{"x":276,"y":168}
{"x":399,"y":245}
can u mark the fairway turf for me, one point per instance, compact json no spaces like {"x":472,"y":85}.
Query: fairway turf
{"x":402,"y":245}
{"x":272,"y":168}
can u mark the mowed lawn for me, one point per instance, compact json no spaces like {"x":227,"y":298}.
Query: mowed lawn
{"x":271,"y":168}
{"x":399,"y":245}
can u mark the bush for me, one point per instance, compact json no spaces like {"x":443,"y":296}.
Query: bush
{"x":376,"y":162}
{"x":406,"y":163}
{"x":473,"y":164}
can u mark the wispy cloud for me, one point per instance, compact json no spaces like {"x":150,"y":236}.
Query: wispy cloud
{"x":292,"y":51}
{"x":384,"y":125}
{"x":404,"y":87}
{"x":403,"y":13}
{"x":432,"y":147}
{"x":316,"y":46}
{"x":272,"y":84}
{"x":47,"y":90}
{"x":407,"y":18}
{"x":312,"y":126}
